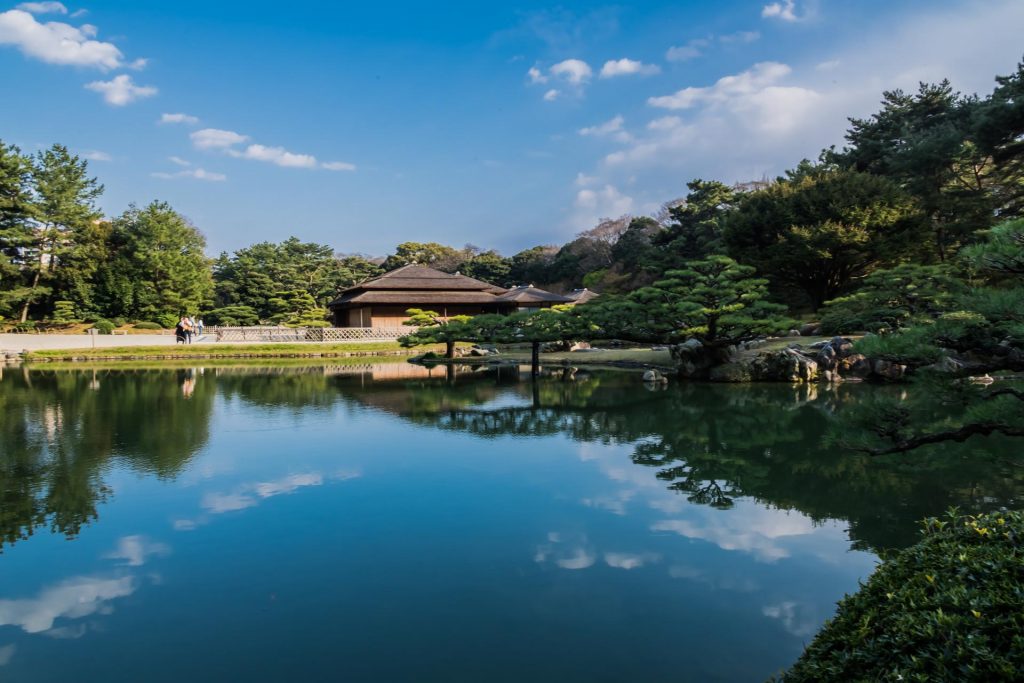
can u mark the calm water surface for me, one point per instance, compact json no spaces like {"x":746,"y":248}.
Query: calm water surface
{"x":373,"y":523}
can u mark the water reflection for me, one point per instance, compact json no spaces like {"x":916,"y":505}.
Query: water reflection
{"x":710,"y":444}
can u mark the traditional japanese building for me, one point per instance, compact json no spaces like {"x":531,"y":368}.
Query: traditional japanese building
{"x":383,"y":301}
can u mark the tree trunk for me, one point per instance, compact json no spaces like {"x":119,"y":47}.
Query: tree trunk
{"x":28,"y":301}
{"x":535,"y":359}
{"x":449,"y":349}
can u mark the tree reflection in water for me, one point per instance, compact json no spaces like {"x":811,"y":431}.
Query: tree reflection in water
{"x":711,"y":443}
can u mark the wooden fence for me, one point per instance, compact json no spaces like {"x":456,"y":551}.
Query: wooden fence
{"x":306,"y":334}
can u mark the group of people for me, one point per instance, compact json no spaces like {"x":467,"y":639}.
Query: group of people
{"x":186,"y":329}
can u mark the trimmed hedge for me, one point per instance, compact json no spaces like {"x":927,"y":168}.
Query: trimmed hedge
{"x":148,"y":326}
{"x":104,"y":326}
{"x":950,"y":608}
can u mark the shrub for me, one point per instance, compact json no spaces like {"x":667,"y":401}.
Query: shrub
{"x":119,"y":321}
{"x":104,"y":326}
{"x":63,"y":312}
{"x":167,"y":320}
{"x":231,"y":316}
{"x":949,"y":608}
{"x":148,"y":326}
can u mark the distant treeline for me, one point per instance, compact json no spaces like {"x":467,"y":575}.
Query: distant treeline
{"x":915,"y":183}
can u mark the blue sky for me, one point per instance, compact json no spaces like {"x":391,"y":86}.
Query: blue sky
{"x":503,"y":125}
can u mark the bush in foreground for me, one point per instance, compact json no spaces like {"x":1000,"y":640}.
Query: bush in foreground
{"x":950,"y":608}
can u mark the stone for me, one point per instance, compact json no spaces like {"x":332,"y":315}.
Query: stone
{"x":810,"y":329}
{"x":793,"y":333}
{"x":655,"y":377}
{"x":731,"y":372}
{"x":888,"y":370}
{"x":580,"y":346}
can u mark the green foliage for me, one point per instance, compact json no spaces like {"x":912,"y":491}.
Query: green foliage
{"x":63,"y":312}
{"x":1001,"y":255}
{"x":822,"y":228}
{"x":167,"y":321}
{"x":715,"y":300}
{"x":922,"y":142}
{"x":893,"y":298}
{"x":148,"y":326}
{"x":232,"y":316}
{"x":489,"y":266}
{"x":696,"y":230}
{"x":948,"y":608}
{"x":158,"y":266}
{"x":913,"y":347}
{"x":104,"y":326}
{"x":255,"y":275}
{"x":430,"y":254}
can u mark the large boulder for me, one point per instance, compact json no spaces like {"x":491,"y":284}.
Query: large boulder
{"x":655,"y":377}
{"x":785,"y":365}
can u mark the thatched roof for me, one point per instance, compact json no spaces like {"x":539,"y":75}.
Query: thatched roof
{"x":415,"y":276}
{"x":582,"y":296}
{"x":416,"y":285}
{"x":528,"y":294}
{"x":438,"y":296}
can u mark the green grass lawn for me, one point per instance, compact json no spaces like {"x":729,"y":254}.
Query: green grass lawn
{"x":230,"y":351}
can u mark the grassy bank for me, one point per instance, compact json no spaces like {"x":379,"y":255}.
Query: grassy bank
{"x":202,"y":351}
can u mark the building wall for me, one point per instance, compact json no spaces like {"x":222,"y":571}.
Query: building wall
{"x":394,"y":316}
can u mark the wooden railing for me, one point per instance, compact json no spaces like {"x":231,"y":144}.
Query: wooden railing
{"x":306,"y":334}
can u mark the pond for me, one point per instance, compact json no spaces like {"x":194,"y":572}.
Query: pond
{"x":392,"y":523}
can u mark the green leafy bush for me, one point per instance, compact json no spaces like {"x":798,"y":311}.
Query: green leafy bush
{"x":63,"y":312}
{"x":894,"y":298}
{"x":119,"y":322}
{"x":167,"y":320}
{"x":148,"y":326}
{"x":949,"y":608}
{"x":232,"y":316}
{"x":913,"y":347}
{"x":104,"y":326}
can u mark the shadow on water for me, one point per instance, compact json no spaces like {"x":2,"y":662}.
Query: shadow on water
{"x":712,"y":444}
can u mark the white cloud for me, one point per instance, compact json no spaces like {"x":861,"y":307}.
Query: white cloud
{"x":582,"y":179}
{"x":747,"y":82}
{"x":275,"y":155}
{"x":785,"y":10}
{"x":592,"y":205}
{"x":44,"y":7}
{"x":195,"y":173}
{"x":536,"y":75}
{"x":581,"y":558}
{"x":121,"y":90}
{"x":215,"y":138}
{"x":228,"y":140}
{"x":288,"y":484}
{"x":179,"y":161}
{"x":692,"y":50}
{"x":613,"y":125}
{"x":740,"y":37}
{"x":179,"y":118}
{"x":573,"y":71}
{"x":56,"y":42}
{"x":72,"y":599}
{"x":665,"y":123}
{"x":761,"y":532}
{"x":552,"y":95}
{"x":135,"y":550}
{"x":219,"y":503}
{"x":629,"y":561}
{"x":827,"y":66}
{"x":627,"y":67}
{"x":96,"y":155}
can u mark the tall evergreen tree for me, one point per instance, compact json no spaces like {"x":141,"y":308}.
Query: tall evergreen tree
{"x":65,"y":215}
{"x":16,"y":233}
{"x":158,"y":267}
